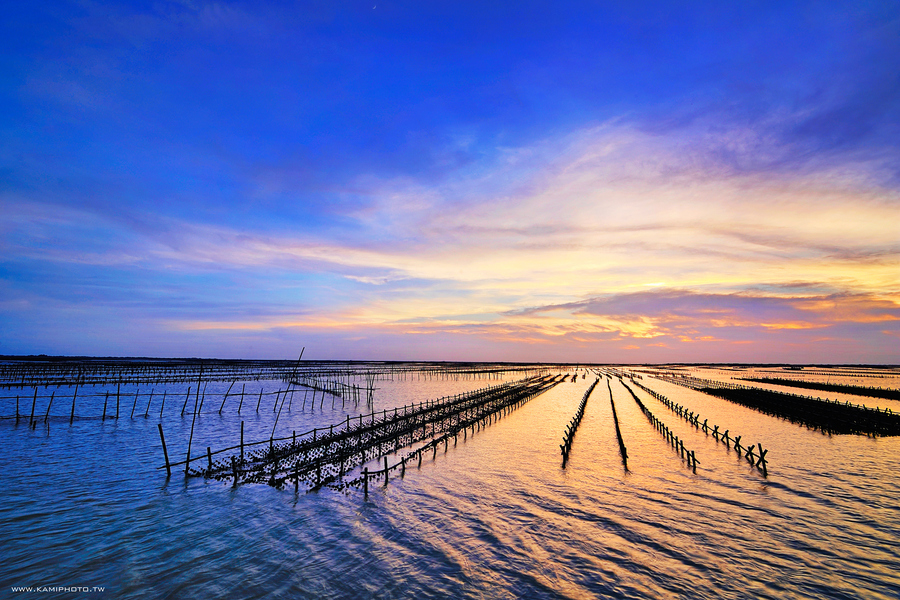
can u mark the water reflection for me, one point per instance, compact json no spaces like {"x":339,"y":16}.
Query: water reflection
{"x":494,"y":517}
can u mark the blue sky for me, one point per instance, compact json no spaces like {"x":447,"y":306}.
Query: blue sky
{"x":487,"y":181}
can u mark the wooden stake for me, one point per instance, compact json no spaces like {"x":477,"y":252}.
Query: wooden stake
{"x":71,"y":417}
{"x":197,"y":393}
{"x":187,"y":462}
{"x":162,"y":439}
{"x":226,"y":396}
{"x":47,"y":416}
{"x":186,"y":398}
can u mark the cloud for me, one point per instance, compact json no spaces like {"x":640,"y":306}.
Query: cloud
{"x":554,"y":244}
{"x":678,"y":309}
{"x":606,"y":208}
{"x":677,"y":320}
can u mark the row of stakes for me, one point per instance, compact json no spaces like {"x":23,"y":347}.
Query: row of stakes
{"x":697,"y":383}
{"x":678,"y":444}
{"x":623,"y":452}
{"x":573,"y":424}
{"x":481,"y":423}
{"x":235,"y":462}
{"x":670,"y":436}
{"x":28,"y":374}
{"x":433,"y":445}
{"x":445,"y":438}
{"x":385,"y":472}
{"x":478,"y":423}
{"x":117,"y":396}
{"x":755,"y":454}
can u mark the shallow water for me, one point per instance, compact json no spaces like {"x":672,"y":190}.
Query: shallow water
{"x":496,"y":516}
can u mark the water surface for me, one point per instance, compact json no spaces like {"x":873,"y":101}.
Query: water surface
{"x":496,"y":516}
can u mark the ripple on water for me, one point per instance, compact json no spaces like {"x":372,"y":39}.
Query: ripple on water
{"x":494,"y":517}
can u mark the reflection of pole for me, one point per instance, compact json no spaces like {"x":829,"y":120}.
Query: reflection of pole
{"x":366,"y":483}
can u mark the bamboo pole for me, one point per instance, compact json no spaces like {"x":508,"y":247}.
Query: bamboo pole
{"x":162,"y":439}
{"x":71,"y":416}
{"x":47,"y":416}
{"x":33,"y":404}
{"x":226,"y":396}
{"x":186,"y":398}
{"x":187,"y":460}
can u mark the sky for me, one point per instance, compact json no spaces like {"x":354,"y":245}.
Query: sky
{"x":626,"y":182}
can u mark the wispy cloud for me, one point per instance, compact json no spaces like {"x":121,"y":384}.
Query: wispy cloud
{"x":608,"y":210}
